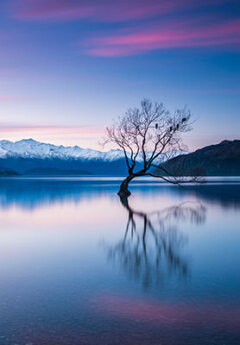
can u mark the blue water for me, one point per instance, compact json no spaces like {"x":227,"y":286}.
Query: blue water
{"x":77,"y":266}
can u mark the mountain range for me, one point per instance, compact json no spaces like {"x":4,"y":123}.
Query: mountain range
{"x":32,"y":158}
{"x":29,"y":148}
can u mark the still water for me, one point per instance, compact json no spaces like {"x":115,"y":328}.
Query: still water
{"x":77,"y":266}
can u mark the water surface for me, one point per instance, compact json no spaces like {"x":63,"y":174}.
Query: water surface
{"x":79,"y":267}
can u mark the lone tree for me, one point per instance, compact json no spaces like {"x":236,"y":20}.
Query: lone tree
{"x":145,"y":135}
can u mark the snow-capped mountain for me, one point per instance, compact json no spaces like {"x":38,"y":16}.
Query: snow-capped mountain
{"x":29,"y":148}
{"x":30,"y":157}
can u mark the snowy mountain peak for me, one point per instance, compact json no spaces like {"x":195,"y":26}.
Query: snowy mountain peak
{"x":27,"y":141}
{"x":30,"y":148}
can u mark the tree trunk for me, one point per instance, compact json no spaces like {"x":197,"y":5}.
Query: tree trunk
{"x":123,"y":191}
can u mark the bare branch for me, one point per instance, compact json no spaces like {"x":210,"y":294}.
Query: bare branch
{"x":147,"y":134}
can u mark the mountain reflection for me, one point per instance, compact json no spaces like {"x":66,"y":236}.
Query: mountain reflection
{"x":151,"y":248}
{"x":30,"y":194}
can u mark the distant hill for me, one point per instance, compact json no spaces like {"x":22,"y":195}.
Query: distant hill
{"x":216,"y":160}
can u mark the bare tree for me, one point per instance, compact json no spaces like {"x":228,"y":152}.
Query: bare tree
{"x":147,"y":134}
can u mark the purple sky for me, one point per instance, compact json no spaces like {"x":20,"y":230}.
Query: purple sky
{"x":68,"y":67}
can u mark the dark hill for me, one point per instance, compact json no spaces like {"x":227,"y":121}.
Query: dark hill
{"x":216,"y":160}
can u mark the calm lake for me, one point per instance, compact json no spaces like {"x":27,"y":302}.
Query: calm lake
{"x":77,"y":266}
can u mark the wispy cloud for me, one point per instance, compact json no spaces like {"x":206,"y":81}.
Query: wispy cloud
{"x":20,"y":127}
{"x":165,"y":35}
{"x":66,"y":135}
{"x":105,"y":10}
{"x":146,"y":28}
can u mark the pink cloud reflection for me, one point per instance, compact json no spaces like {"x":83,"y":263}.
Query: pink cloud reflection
{"x":169,"y":314}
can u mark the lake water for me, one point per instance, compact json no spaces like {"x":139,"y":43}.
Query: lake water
{"x":79,"y":267}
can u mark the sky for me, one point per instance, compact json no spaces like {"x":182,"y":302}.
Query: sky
{"x":68,"y":68}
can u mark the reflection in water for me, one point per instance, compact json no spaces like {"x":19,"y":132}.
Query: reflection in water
{"x":225,"y":195}
{"x":151,"y":248}
{"x":32,"y":193}
{"x":175,"y":316}
{"x":56,"y":288}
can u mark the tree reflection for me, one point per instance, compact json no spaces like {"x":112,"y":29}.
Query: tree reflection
{"x":151,"y":248}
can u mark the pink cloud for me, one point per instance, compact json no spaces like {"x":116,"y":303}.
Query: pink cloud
{"x":164,"y":36}
{"x":44,"y":129}
{"x":199,"y":31}
{"x":50,"y":9}
{"x":59,"y":135}
{"x":105,"y":10}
